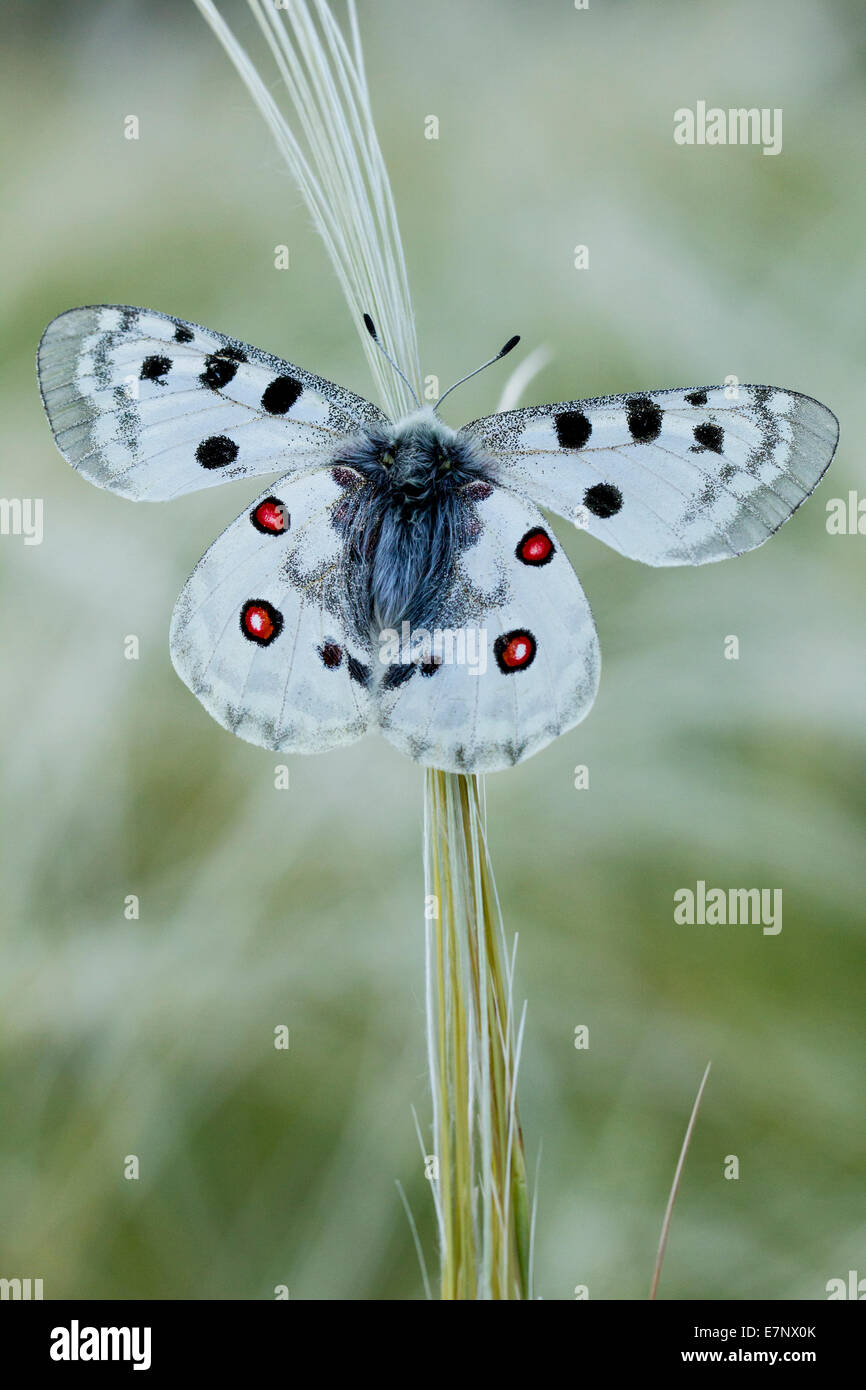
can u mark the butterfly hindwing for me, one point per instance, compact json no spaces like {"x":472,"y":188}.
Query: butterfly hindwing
{"x":515,"y":599}
{"x":257,"y":633}
{"x":668,"y":477}
{"x":150,"y":406}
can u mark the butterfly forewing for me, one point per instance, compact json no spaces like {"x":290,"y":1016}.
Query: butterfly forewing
{"x":668,"y":477}
{"x":514,"y":608}
{"x":151,"y":406}
{"x":258,"y":633}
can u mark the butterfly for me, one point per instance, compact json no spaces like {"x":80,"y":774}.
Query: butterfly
{"x":399,"y":577}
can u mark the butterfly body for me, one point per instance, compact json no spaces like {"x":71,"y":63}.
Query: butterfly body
{"x":400,"y":577}
{"x":409,"y":494}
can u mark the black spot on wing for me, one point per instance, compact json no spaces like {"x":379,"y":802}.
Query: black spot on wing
{"x":280,"y":395}
{"x":396,"y":676}
{"x":155,"y":367}
{"x":696,"y":397}
{"x":709,"y":436}
{"x":644,"y":419}
{"x":219,"y":370}
{"x":182,"y":334}
{"x":358,"y":672}
{"x":332,"y":655}
{"x":603,"y":499}
{"x":572,"y":429}
{"x":216,"y":451}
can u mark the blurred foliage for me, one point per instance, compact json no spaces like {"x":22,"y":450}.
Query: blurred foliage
{"x":260,"y":907}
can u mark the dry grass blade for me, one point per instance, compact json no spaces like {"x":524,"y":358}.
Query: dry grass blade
{"x":666,"y":1223}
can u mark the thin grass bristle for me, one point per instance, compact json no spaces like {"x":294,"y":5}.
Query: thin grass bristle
{"x":675,"y":1185}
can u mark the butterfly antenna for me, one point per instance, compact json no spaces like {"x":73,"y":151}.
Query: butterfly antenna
{"x":503,"y":352}
{"x":371,"y":329}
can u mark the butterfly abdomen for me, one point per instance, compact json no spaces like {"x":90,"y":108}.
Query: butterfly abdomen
{"x":413,"y":561}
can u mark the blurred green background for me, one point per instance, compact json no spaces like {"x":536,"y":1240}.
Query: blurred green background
{"x":261,"y":907}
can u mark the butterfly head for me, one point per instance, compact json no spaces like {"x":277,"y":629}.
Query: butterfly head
{"x":417,"y":461}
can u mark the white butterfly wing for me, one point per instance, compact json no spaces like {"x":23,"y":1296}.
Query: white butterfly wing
{"x":514,"y":597}
{"x":258,"y":635}
{"x":151,"y":407}
{"x":677,"y":477}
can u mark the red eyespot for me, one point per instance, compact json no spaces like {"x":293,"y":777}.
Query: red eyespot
{"x":536,"y":547}
{"x":261,"y":622}
{"x":270,"y":517}
{"x":514,"y":651}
